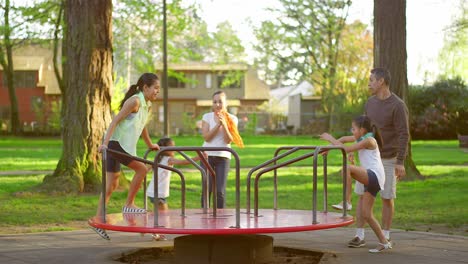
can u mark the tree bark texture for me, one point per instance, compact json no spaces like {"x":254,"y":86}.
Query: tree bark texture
{"x":390,"y":42}
{"x":86,"y":97}
{"x":390,"y":53}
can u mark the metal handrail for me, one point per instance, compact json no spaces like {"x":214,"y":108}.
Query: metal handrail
{"x":317,"y":150}
{"x":212,"y":173}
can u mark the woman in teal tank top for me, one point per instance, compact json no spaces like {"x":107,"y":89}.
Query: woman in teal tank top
{"x":122,"y":135}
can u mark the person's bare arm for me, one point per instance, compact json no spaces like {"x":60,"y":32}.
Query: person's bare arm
{"x":147,"y":139}
{"x":209,"y":134}
{"x":364,"y":144}
{"x":174,"y":161}
{"x":346,"y":139}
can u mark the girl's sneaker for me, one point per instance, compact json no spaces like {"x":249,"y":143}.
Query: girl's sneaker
{"x":130,"y":210}
{"x":101,"y":232}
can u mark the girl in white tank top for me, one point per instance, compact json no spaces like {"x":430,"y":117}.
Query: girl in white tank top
{"x":371,"y":173}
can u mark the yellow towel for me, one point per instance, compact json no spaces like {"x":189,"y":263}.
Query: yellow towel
{"x":236,"y":138}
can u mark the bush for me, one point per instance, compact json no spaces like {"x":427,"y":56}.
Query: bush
{"x":439,"y":111}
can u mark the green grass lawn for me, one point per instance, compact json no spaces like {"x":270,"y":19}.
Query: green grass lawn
{"x":43,"y":153}
{"x":434,"y":204}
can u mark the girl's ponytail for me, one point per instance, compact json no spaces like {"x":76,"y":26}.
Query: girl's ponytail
{"x":366,"y":123}
{"x":147,"y":79}
{"x":131,"y":91}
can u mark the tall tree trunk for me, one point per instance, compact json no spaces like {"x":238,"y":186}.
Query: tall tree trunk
{"x":390,"y":53}
{"x":7,"y":65}
{"x":86,"y":97}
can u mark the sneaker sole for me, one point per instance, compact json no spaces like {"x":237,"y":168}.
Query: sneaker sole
{"x":356,"y":246}
{"x":340,"y":208}
{"x":337,"y":208}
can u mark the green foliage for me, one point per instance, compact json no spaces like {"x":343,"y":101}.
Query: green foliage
{"x":453,"y":57}
{"x":227,"y":47}
{"x":48,"y":116}
{"x":310,"y":40}
{"x":251,"y":126}
{"x":138,"y":43}
{"x":232,"y":78}
{"x":439,"y":111}
{"x":138,"y":30}
{"x":55,"y":116}
{"x":355,"y":58}
{"x":301,"y":41}
{"x":118,"y":94}
{"x":190,"y":121}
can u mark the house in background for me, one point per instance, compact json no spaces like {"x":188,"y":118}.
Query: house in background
{"x":36,"y":85}
{"x":302,"y":114}
{"x":298,"y":105}
{"x":280,"y":96}
{"x":190,"y":99}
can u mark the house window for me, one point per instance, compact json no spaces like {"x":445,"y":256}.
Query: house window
{"x":22,"y":79}
{"x":161,"y":114}
{"x":224,"y":82}
{"x":173,"y":82}
{"x":193,"y":81}
{"x":208,"y":81}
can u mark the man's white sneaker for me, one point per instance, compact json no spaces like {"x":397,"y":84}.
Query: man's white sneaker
{"x":381,"y":247}
{"x":340,"y":206}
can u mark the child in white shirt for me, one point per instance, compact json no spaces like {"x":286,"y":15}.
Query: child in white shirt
{"x":371,"y":174}
{"x":164,"y":177}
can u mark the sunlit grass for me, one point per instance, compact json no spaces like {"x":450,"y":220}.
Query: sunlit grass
{"x":439,"y":199}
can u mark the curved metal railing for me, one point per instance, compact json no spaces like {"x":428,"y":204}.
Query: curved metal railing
{"x":155,"y":165}
{"x":290,"y":150}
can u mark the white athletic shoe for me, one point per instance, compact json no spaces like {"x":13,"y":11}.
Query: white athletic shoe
{"x":340,"y":206}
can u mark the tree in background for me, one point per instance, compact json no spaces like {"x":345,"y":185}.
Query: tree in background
{"x":86,"y":97}
{"x":28,"y":24}
{"x":303,"y":42}
{"x":227,"y":46}
{"x":354,"y":61}
{"x":390,"y":53}
{"x":453,"y":57}
{"x":8,"y":28}
{"x":138,"y":30}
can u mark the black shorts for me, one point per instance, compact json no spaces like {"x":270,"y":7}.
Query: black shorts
{"x":373,"y":186}
{"x":113,"y":160}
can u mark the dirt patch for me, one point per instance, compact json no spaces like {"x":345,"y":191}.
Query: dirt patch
{"x":165,"y":255}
